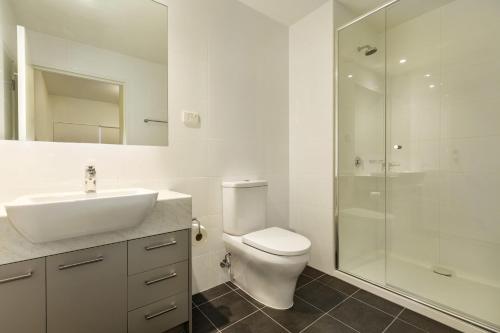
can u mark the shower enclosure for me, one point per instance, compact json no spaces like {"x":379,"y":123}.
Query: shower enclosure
{"x":418,"y":153}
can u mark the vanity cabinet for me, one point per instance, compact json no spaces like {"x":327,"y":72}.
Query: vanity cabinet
{"x":22,"y":297}
{"x":87,"y":290}
{"x":158,"y":282}
{"x":135,"y":286}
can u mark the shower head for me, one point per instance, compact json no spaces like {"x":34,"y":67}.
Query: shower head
{"x":369,"y":49}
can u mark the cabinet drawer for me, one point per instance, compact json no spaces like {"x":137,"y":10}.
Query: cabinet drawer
{"x":160,"y":316}
{"x":22,"y":296}
{"x":148,"y":287}
{"x":87,"y":290}
{"x":152,"y":252}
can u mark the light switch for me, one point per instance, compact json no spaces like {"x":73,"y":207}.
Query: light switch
{"x":191,"y":119}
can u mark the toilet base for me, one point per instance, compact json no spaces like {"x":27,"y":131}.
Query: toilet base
{"x":269,"y":279}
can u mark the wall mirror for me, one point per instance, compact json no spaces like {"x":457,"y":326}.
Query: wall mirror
{"x":87,"y":71}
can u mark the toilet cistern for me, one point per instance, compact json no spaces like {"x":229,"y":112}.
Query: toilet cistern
{"x":90,"y":179}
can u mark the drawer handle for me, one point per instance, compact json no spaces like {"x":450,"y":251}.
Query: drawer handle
{"x":154,"y":315}
{"x":159,"y":246}
{"x":81,"y":263}
{"x":163,"y":278}
{"x":16,"y":278}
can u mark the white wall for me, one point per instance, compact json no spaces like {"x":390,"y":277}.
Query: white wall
{"x":226,"y":62}
{"x":311,"y":133}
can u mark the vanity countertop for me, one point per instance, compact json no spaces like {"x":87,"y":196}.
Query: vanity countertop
{"x":172,"y":212}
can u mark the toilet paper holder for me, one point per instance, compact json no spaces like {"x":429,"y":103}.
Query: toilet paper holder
{"x":199,"y":235}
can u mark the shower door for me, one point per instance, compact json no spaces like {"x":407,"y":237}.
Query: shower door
{"x":418,"y":167}
{"x":361,"y":148}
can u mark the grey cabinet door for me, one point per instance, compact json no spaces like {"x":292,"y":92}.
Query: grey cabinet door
{"x":22,"y":297}
{"x":87,"y":290}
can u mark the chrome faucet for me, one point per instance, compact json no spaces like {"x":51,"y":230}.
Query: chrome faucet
{"x":90,"y":179}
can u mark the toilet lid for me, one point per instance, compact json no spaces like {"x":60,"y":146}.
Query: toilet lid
{"x":278,"y":241}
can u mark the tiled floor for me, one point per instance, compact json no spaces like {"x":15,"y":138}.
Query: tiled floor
{"x":322,"y":304}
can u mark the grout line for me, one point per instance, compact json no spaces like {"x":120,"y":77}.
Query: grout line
{"x":258,"y":308}
{"x":209,"y":320}
{"x":336,"y":306}
{"x":314,"y":322}
{"x":348,"y":296}
{"x":417,"y":327}
{"x":283,"y":327}
{"x":313,"y":279}
{"x":392,"y":322}
{"x":374,"y":307}
{"x":303,"y":300}
{"x":210,"y":300}
{"x":239,"y":320}
{"x":340,"y":291}
{"x":326,"y":313}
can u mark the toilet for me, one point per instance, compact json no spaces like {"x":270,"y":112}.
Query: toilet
{"x":265,"y":262}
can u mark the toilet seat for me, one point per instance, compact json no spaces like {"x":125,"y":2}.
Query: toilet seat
{"x":278,"y":241}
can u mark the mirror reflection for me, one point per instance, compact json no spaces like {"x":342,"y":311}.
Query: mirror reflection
{"x":84,"y":71}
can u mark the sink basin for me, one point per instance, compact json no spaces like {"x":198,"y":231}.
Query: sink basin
{"x":49,"y":217}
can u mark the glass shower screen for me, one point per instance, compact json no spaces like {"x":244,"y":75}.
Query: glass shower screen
{"x":418,"y":170}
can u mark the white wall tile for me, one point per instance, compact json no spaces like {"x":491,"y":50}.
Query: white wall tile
{"x":311,"y":133}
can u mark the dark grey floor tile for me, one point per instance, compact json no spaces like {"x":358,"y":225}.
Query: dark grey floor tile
{"x":297,"y":317}
{"x":210,"y":294}
{"x":320,"y":296}
{"x":378,"y":302}
{"x":312,"y":272}
{"x":338,"y":284}
{"x":399,"y":326}
{"x":328,"y":324}
{"x":232,"y":285}
{"x":256,"y":323}
{"x":361,"y":316}
{"x":302,"y":280}
{"x":425,"y":323}
{"x":250,"y":299}
{"x":227,"y":309}
{"x":201,"y":324}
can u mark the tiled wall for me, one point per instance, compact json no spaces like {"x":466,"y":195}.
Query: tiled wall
{"x":311,"y":133}
{"x":226,"y":62}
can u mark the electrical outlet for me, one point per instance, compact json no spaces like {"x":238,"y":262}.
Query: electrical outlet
{"x":191,"y":119}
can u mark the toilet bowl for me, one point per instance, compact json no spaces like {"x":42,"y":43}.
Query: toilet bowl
{"x":268,"y":278}
{"x":265,"y":262}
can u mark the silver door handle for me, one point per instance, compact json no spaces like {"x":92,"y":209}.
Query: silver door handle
{"x":163,"y":278}
{"x":16,"y":278}
{"x":154,"y":315}
{"x":159,"y":246}
{"x":81,"y":263}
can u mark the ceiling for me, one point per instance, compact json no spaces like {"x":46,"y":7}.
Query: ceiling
{"x":78,"y":87}
{"x":136,"y":28}
{"x":286,"y":12}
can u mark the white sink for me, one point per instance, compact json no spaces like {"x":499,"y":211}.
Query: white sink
{"x":49,"y":217}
